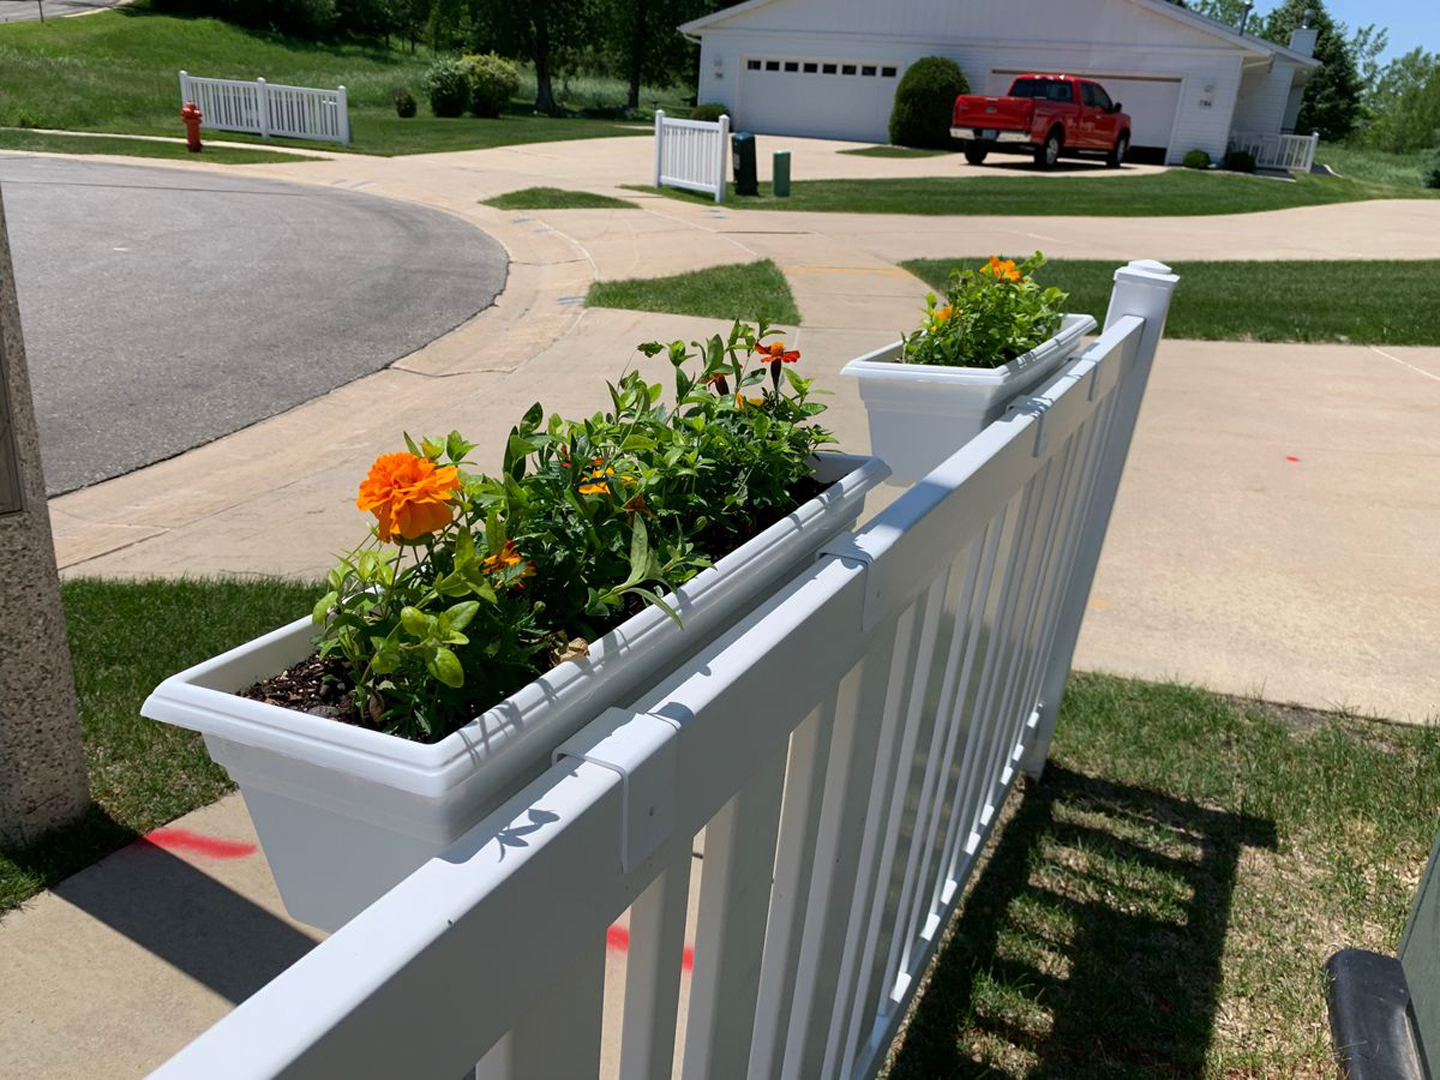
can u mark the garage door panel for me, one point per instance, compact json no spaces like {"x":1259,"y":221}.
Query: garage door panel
{"x":835,"y":106}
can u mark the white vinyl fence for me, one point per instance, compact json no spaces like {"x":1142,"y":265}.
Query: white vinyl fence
{"x":692,"y":154}
{"x":297,"y":112}
{"x":1293,"y":152}
{"x":846,"y":750}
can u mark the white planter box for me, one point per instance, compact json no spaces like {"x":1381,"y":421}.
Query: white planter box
{"x":920,"y":414}
{"x":344,"y":813}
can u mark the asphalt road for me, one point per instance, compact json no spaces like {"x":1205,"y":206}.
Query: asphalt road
{"x":23,"y":10}
{"x":162,"y":309}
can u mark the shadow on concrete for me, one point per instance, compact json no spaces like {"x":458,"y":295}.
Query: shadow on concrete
{"x":167,"y":906}
{"x":1092,"y":942}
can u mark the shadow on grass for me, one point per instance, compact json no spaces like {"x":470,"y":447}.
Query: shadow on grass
{"x":165,"y":905}
{"x":1091,"y":944}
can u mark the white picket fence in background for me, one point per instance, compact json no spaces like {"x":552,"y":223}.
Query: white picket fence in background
{"x":1293,"y":152}
{"x":265,"y":109}
{"x":846,"y":749}
{"x":692,"y":154}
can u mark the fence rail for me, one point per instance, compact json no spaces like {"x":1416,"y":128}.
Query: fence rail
{"x":265,"y":109}
{"x":1293,"y":152}
{"x":692,"y":154}
{"x":846,"y":750}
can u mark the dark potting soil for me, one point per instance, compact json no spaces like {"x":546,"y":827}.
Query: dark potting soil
{"x":323,"y":687}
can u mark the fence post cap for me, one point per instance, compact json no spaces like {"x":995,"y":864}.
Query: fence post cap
{"x":260,"y":79}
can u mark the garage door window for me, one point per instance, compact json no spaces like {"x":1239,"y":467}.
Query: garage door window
{"x":822,"y":67}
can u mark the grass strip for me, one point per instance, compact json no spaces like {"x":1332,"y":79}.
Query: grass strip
{"x":96,"y":144}
{"x":550,"y":198}
{"x":745,"y":291}
{"x":1161,"y":902}
{"x":1175,"y":192}
{"x":1362,"y":303}
{"x":125,"y":637}
{"x":896,"y":152}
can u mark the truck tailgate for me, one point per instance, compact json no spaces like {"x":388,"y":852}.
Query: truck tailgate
{"x":999,"y":113}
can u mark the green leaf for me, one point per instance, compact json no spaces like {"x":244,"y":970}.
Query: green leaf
{"x":459,"y":616}
{"x":416,"y":623}
{"x":432,"y":449}
{"x":456,"y":446}
{"x":385,"y":661}
{"x":410,"y":445}
{"x":324,"y":604}
{"x":445,"y":666}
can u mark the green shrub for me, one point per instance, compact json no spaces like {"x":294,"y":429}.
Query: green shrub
{"x":925,"y":103}
{"x":447,"y":87}
{"x":1430,"y":170}
{"x":492,"y":80}
{"x":709,"y":112}
{"x":1197,"y":159}
{"x":1240,"y":161}
{"x":404,"y":103}
{"x":313,"y":19}
{"x":990,"y":316}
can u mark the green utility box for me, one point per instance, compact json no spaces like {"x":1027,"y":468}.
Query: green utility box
{"x":781,"y":173}
{"x":742,"y":147}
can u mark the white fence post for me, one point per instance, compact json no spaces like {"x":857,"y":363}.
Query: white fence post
{"x":659,"y":143}
{"x":184,"y":87}
{"x":264,"y":109}
{"x":344,"y":107}
{"x":1142,"y":288}
{"x":724,"y":151}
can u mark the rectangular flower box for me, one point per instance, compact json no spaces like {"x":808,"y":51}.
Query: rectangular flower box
{"x":920,"y":414}
{"x":345,"y":813}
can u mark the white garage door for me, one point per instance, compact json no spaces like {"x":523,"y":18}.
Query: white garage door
{"x":824,"y":98}
{"x":1151,"y":102}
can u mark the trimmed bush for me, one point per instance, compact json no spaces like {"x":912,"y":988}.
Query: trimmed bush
{"x":1430,"y":170}
{"x":492,"y":80}
{"x":1197,"y":159}
{"x":1240,"y":161}
{"x":404,"y":103}
{"x":925,"y":103}
{"x":709,"y":112}
{"x":447,"y":87}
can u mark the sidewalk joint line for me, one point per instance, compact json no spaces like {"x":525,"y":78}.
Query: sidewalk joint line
{"x":1412,"y":367}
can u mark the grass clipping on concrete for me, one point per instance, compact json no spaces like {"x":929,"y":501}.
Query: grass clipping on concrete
{"x":750,"y":291}
{"x":1161,"y":902}
{"x":1361,"y":303}
{"x":551,"y":198}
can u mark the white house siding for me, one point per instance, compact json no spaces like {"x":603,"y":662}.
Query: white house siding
{"x":1264,"y":91}
{"x":1104,"y":38}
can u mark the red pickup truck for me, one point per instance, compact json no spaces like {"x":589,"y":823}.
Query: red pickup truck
{"x":1051,"y":114}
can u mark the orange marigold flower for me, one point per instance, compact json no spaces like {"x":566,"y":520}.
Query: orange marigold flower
{"x":742,"y":402}
{"x":944,"y":313}
{"x":599,"y":488}
{"x":505,"y":562}
{"x":408,"y":495}
{"x":775,"y":352}
{"x":1002,"y":269}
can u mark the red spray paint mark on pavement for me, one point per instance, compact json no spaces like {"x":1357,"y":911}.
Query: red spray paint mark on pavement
{"x":185,"y":840}
{"x":1291,"y":457}
{"x":618,"y":938}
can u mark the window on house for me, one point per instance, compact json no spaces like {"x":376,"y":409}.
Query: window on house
{"x":887,"y":72}
{"x":847,"y":69}
{"x":772,"y":65}
{"x":868,"y":69}
{"x":828,"y":69}
{"x":752,"y":65}
{"x":811,"y":69}
{"x":791,"y":65}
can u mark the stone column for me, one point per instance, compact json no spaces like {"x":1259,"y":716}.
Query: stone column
{"x":42,"y":761}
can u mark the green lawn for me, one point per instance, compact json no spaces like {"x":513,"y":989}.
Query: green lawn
{"x":1367,"y":303}
{"x":125,"y":638}
{"x":1400,"y":170}
{"x":747,"y":291}
{"x":1182,"y":192}
{"x":88,"y":144}
{"x":550,"y":198}
{"x":895,"y":152}
{"x":118,"y":71}
{"x":1159,"y":905}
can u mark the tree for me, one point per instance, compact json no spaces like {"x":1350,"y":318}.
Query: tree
{"x":1404,"y":104}
{"x":1331,"y":104}
{"x":641,"y":40}
{"x":548,"y":33}
{"x":1229,"y":12}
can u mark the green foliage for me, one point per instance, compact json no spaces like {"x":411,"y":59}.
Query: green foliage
{"x":1331,"y":104}
{"x":990,"y":316}
{"x":404,"y":103}
{"x":1430,"y":171}
{"x":314,"y":19}
{"x":925,"y":103}
{"x":551,"y":34}
{"x":586,"y":520}
{"x":1197,"y":159}
{"x":1404,"y":104}
{"x":710,"y":112}
{"x":493,"y":81}
{"x":639,"y":42}
{"x":1241,"y":161}
{"x":447,"y":86}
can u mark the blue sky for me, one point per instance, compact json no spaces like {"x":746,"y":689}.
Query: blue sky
{"x":1411,"y":22}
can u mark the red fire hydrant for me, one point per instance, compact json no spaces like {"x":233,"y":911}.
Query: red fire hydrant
{"x":192,"y":116}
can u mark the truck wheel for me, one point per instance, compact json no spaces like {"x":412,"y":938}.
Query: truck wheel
{"x":976,"y":155}
{"x":1117,"y":152}
{"x":1048,"y":153}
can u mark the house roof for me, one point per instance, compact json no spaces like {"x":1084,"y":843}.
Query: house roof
{"x":1229,"y":34}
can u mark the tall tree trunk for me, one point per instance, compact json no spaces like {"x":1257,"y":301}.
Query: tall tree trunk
{"x":544,"y":92}
{"x":638,"y":45}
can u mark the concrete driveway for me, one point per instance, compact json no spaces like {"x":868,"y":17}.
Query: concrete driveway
{"x":165,"y":309}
